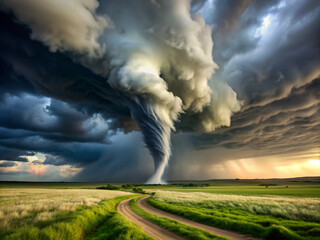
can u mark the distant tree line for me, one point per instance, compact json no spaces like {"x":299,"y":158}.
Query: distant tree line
{"x":124,"y":186}
{"x":192,"y":184}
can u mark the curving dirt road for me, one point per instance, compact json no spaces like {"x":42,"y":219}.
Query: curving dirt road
{"x":142,"y":203}
{"x":148,"y":227}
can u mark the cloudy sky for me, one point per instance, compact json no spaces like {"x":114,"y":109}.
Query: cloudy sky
{"x":114,"y":90}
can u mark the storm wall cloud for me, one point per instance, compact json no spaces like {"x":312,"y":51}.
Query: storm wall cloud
{"x":241,"y":75}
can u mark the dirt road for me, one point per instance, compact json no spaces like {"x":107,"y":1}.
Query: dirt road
{"x":142,"y":203}
{"x":148,"y":227}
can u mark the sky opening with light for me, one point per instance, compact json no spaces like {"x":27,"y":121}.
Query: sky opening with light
{"x":136,"y":91}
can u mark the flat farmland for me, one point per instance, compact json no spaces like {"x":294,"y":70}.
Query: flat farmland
{"x":262,"y":209}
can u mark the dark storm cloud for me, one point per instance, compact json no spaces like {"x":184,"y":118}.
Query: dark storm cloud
{"x":75,"y":153}
{"x":276,"y":73}
{"x":15,"y":173}
{"x":134,"y":162}
{"x":139,"y":74}
{"x":60,"y":128}
{"x":234,"y":24}
{"x":52,"y":119}
{"x":14,"y":154}
{"x":7,"y":164}
{"x":278,"y":127}
{"x":55,"y":103}
{"x":29,"y":63}
{"x":286,"y":56}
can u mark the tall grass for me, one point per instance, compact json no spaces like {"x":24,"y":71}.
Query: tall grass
{"x":82,"y":219}
{"x":19,"y":207}
{"x":119,"y":227}
{"x":235,"y":213}
{"x":306,"y":209}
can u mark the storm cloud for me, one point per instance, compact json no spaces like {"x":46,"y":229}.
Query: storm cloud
{"x":238,"y":75}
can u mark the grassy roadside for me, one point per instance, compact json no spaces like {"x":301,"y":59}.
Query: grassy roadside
{"x":261,"y":226}
{"x":79,"y":224}
{"x":119,"y":227}
{"x":174,"y":226}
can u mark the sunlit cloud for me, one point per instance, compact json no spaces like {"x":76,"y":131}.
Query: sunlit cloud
{"x":38,"y":157}
{"x":265,"y":24}
{"x":308,"y":168}
{"x":38,"y":170}
{"x":68,"y":171}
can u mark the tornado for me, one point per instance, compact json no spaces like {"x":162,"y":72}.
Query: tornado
{"x":152,"y":106}
{"x":156,"y":60}
{"x":156,"y":134}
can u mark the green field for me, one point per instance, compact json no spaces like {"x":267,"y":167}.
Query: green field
{"x":268,"y":217}
{"x":64,"y":214}
{"x":294,"y":188}
{"x":285,"y":209}
{"x":301,"y":187}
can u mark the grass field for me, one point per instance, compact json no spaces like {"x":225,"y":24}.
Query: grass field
{"x":265,"y":217}
{"x":295,"y":190}
{"x":24,"y":206}
{"x":64,"y":214}
{"x":292,"y":187}
{"x":286,"y":209}
{"x":251,"y":187}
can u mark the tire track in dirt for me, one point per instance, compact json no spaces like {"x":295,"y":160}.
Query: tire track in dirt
{"x":148,"y":227}
{"x":143,"y":203}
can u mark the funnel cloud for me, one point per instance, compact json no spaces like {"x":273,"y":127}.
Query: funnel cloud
{"x":159,"y":63}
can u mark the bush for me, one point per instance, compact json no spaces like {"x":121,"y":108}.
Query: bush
{"x":109,"y":187}
{"x":138,"y":190}
{"x":126,"y":186}
{"x":277,"y":232}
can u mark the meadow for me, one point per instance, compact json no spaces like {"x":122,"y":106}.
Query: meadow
{"x":285,"y":209}
{"x":64,"y":214}
{"x":300,"y":187}
{"x":268,"y":217}
{"x":294,"y":188}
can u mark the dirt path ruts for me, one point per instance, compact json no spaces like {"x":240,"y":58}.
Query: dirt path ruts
{"x":148,"y":227}
{"x":142,"y":203}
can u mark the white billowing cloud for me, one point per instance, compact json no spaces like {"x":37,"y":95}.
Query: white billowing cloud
{"x":62,"y":25}
{"x":223,"y":104}
{"x":165,"y":55}
{"x":170,"y":61}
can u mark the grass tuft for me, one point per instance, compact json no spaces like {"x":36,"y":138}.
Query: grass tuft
{"x":120,"y":228}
